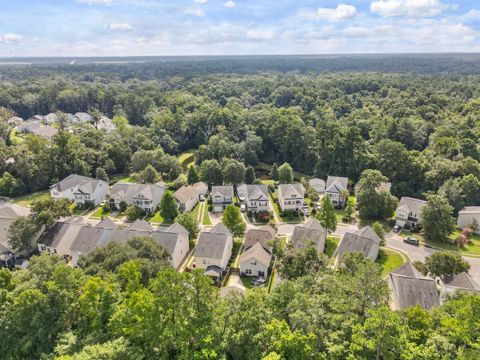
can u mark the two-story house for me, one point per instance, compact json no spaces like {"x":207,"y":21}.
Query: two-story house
{"x":213,"y":251}
{"x":409,"y":212}
{"x":290,"y":196}
{"x":8,"y":214}
{"x":337,"y":189}
{"x":255,"y":197}
{"x":173,"y":239}
{"x":186,"y":198}
{"x":312,"y":232}
{"x":364,"y":241}
{"x":468,"y":216}
{"x":255,"y":260}
{"x":145,"y":196}
{"x":317,"y":184}
{"x":80,"y":189}
{"x":221,"y":197}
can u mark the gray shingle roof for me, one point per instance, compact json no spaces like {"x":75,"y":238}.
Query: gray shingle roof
{"x":258,"y":252}
{"x":264,"y":235}
{"x":312,"y":230}
{"x":127,"y":191}
{"x":412,"y":205}
{"x":211,"y":244}
{"x":410,"y":288}
{"x":168,"y":237}
{"x":140,"y":225}
{"x":362,"y":241}
{"x":257,"y":192}
{"x":336,"y":184}
{"x":222,"y":190}
{"x":462,"y":281}
{"x":85,"y":184}
{"x":288,"y":191}
{"x":12,"y":211}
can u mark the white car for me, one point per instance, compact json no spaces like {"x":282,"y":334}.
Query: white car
{"x":243,"y":207}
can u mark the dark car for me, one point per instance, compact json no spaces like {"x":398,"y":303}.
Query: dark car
{"x":412,"y":241}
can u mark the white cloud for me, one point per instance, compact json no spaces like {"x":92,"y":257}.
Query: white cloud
{"x":193,"y":11}
{"x":120,"y":26}
{"x":472,"y":15}
{"x":341,"y":12}
{"x":230,"y":4}
{"x":11,"y":38}
{"x":96,"y":2}
{"x":355,"y":31}
{"x":200,"y":1}
{"x":408,"y":8}
{"x":260,"y":35}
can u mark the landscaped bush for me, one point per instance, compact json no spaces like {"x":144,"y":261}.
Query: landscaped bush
{"x":263,"y":216}
{"x":133,"y":213}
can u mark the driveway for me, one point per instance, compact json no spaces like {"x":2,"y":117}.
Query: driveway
{"x":395,"y":241}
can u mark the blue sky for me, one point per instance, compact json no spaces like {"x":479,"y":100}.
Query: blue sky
{"x":212,"y":27}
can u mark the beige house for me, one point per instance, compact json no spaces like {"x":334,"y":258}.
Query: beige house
{"x":337,"y":189}
{"x":290,"y":196}
{"x":469,"y":216}
{"x":221,"y":197}
{"x":145,"y":196}
{"x":364,"y":241}
{"x":255,"y":261}
{"x":80,"y":189}
{"x":8,"y":214}
{"x":174,"y":239}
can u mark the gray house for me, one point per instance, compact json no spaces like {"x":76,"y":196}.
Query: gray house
{"x":364,"y":241}
{"x":310,"y":232}
{"x":317,"y":184}
{"x":221,"y":197}
{"x":264,"y":235}
{"x":174,"y":239}
{"x":461,"y":282}
{"x":145,"y":196}
{"x":409,"y":288}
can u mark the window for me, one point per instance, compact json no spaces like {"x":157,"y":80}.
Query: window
{"x":204,"y":261}
{"x":261,"y":274}
{"x":253,"y":262}
{"x":248,"y":271}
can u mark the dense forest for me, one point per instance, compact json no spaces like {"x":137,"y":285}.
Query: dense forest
{"x":420,"y":130}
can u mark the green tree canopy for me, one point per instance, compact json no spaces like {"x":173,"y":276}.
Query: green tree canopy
{"x":232,"y":219}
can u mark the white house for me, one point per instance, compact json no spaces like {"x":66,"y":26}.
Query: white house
{"x":174,"y":239}
{"x":8,"y":214}
{"x":255,"y":261}
{"x":337,"y":189}
{"x":213,"y":251}
{"x":221,"y":197}
{"x":317,"y":184}
{"x":310,"y":232}
{"x":469,"y":216}
{"x":255,"y":197}
{"x":290,"y":196}
{"x":145,"y":196}
{"x":186,"y":198}
{"x":80,"y":189}
{"x":409,"y":211}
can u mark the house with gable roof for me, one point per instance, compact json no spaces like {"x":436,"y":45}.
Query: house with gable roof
{"x":145,"y":196}
{"x":291,"y":196}
{"x":80,"y":189}
{"x":337,"y":189}
{"x":364,"y":241}
{"x":409,"y":211}
{"x":222,"y":195}
{"x":310,"y":232}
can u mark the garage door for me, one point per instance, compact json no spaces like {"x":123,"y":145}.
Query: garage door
{"x":217,"y":208}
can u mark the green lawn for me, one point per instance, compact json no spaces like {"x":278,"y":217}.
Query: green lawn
{"x":196,"y":210}
{"x":247,"y":282}
{"x":100,"y":213}
{"x":26,"y":200}
{"x":296,"y":219}
{"x":122,"y":178}
{"x":389,"y":260}
{"x":331,"y":245}
{"x":469,"y":249}
{"x":206,"y":218}
{"x":186,"y":158}
{"x":268,"y":181}
{"x":156,"y":218}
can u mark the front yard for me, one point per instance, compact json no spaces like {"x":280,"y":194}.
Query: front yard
{"x":470,"y":249}
{"x":155,"y":218}
{"x":100,"y":213}
{"x":291,"y":218}
{"x":389,"y":260}
{"x":331,"y":244}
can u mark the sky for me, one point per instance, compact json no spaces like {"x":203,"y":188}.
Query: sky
{"x":236,"y":27}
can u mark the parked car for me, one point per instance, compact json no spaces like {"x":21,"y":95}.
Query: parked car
{"x":412,"y":241}
{"x":397,"y":228}
{"x":258,"y":281}
{"x":243,"y":207}
{"x":306,"y":212}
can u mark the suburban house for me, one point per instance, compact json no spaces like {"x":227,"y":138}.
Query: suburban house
{"x":409,"y":288}
{"x":290,"y":196}
{"x":46,"y":132}
{"x":28,"y":126}
{"x":201,"y":188}
{"x":80,"y":189}
{"x":186,"y":198}
{"x":7,"y":258}
{"x":264,"y":235}
{"x":59,"y":238}
{"x":310,"y":232}
{"x":364,"y":241}
{"x":145,"y":196}
{"x":337,"y":189}
{"x":235,"y":286}
{"x":459,"y":282}
{"x":106,"y":124}
{"x":409,"y":211}
{"x":317,"y":184}
{"x":82,"y":117}
{"x":221,"y":196}
{"x":255,"y":261}
{"x":173,"y":239}
{"x":51,"y":118}
{"x":255,"y":197}
{"x":468,"y":216}
{"x":15,"y":121}
{"x":8,"y":214}
{"x":213,"y":251}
